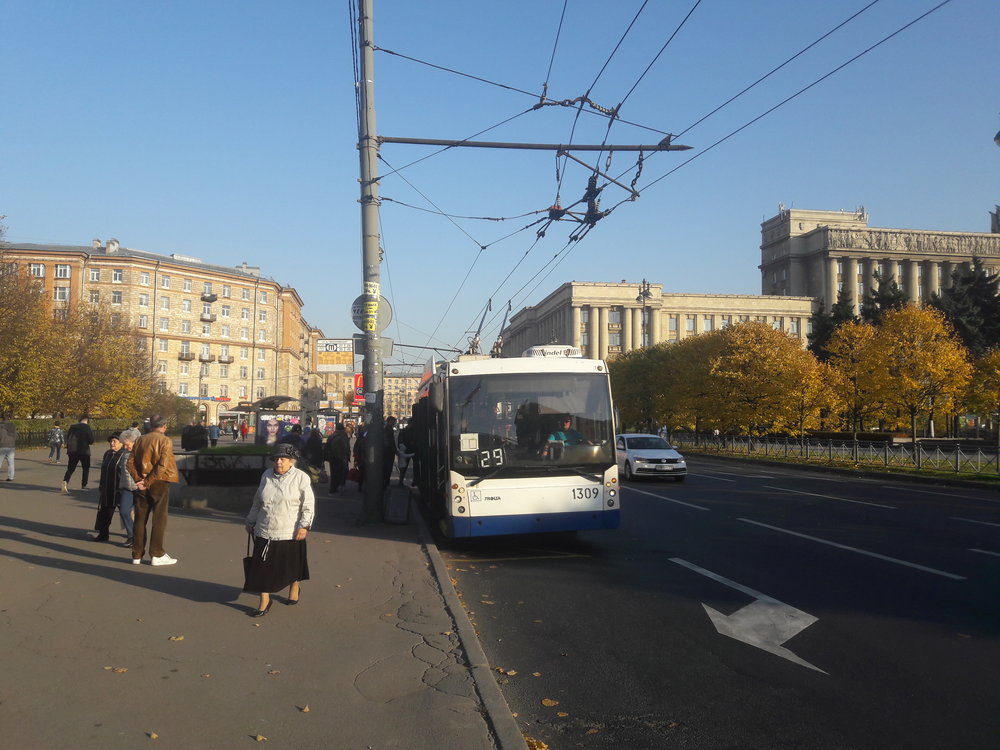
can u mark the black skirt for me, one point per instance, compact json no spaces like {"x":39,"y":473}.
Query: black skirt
{"x":275,"y":565}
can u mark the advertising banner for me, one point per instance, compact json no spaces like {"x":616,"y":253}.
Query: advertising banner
{"x":335,"y":355}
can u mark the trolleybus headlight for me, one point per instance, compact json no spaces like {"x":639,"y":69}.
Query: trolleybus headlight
{"x":611,"y":503}
{"x":461,"y":509}
{"x":611,"y":493}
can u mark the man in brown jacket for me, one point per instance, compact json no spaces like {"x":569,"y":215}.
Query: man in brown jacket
{"x":153,"y":468}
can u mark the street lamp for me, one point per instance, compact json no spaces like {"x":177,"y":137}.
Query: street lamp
{"x":643,"y":295}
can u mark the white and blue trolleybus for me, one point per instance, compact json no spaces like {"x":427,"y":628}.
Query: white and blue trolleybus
{"x":517,"y":445}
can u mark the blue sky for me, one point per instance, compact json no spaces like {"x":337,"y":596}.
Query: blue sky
{"x":227,"y":131}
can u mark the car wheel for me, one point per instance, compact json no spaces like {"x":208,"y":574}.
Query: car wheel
{"x":628,"y":472}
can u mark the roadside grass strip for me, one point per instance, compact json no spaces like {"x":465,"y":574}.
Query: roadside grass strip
{"x":858,"y":550}
{"x":830,"y":497}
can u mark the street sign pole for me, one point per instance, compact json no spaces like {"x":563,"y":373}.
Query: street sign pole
{"x":370,"y":260}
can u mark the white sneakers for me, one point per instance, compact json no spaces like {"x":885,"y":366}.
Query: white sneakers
{"x":163,"y":559}
{"x":65,"y":488}
{"x":136,"y":560}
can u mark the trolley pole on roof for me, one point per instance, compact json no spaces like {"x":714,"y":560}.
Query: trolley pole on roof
{"x":370,"y":260}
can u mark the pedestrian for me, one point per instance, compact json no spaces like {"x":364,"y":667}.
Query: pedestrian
{"x":244,"y":429}
{"x":312,"y":452}
{"x":280,"y":518}
{"x":56,"y":439}
{"x":127,"y":486}
{"x":213,"y":434}
{"x":358,"y":451}
{"x":79,"y":438}
{"x":338,"y":453}
{"x":388,"y":449}
{"x":107,"y":501}
{"x":153,"y":467}
{"x":293,"y":437}
{"x":236,"y":431}
{"x":8,"y":442}
{"x":406,"y":446}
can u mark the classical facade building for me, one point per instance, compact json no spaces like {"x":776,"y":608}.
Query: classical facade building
{"x":609,"y":319}
{"x":818,"y":253}
{"x":217,"y":335}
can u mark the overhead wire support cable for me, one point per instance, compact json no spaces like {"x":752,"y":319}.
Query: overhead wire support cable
{"x":666,"y":144}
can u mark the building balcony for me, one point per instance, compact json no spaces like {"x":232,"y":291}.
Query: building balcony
{"x":206,"y":357}
{"x":209,"y":297}
{"x":186,"y":356}
{"x":226,"y":360}
{"x":207,"y":318}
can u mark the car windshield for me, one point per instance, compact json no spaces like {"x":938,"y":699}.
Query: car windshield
{"x":511,"y":422}
{"x":647,"y":443}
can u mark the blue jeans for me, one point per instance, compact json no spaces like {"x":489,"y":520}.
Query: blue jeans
{"x":8,"y":455}
{"x":56,"y":450}
{"x":125,"y":504}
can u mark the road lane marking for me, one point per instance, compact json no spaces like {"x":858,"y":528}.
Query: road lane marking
{"x":939,"y":494}
{"x":765,"y":623}
{"x":744,"y":475}
{"x":668,"y":499}
{"x":984,"y":552}
{"x":709,"y":476}
{"x":858,"y":550}
{"x":971,"y":520}
{"x":831,"y":497}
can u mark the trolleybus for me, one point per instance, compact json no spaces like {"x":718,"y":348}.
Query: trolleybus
{"x":495,"y":454}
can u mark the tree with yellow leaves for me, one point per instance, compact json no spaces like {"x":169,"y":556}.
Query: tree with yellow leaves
{"x":860,"y":378}
{"x":928,"y":367}
{"x":686,"y":392}
{"x":984,"y":388}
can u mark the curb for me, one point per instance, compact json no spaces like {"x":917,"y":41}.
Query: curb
{"x":501,"y":721}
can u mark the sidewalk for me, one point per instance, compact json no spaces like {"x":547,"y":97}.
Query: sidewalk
{"x":99,"y":653}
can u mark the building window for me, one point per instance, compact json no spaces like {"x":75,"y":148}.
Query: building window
{"x":143,"y":321}
{"x":224,"y":332}
{"x":245,"y":313}
{"x":143,"y":278}
{"x":164,"y":324}
{"x":261,"y":355}
{"x":260,"y":393}
{"x":182,"y":389}
{"x":224,"y":391}
{"x":185,"y":347}
{"x":244,"y":372}
{"x":164,"y":345}
{"x":672,"y":324}
{"x":727,"y":320}
{"x":244,"y":352}
{"x":585,"y":315}
{"x":116,"y":297}
{"x":62,"y":271}
{"x":778,"y":324}
{"x":245,"y":294}
{"x":615,"y":339}
{"x":95,"y":298}
{"x":689,"y":324}
{"x":224,"y":351}
{"x":117,"y":275}
{"x":227,"y":291}
{"x":263,"y":297}
{"x":187,"y":285}
{"x":245,"y":334}
{"x":262,"y":335}
{"x":708,"y":324}
{"x":793,"y":326}
{"x":144,"y":300}
{"x":261,"y":373}
{"x":615,"y":316}
{"x":184,"y":369}
{"x":37,"y":270}
{"x":243,"y":391}
{"x":164,"y":303}
{"x":116,"y":319}
{"x":206,"y":287}
{"x":186,"y":305}
{"x":585,"y":338}
{"x":95,"y":274}
{"x":161,"y":367}
{"x":206,"y":329}
{"x":225,"y":311}
{"x":164,"y":282}
{"x":185,"y":326}
{"x":61,"y":294}
{"x":206,"y":308}
{"x":224,"y":373}
{"x":262,"y":316}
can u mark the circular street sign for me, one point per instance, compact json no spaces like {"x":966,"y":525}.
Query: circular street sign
{"x":383,"y":316}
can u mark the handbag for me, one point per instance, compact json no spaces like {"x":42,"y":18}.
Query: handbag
{"x":354,"y":475}
{"x":248,"y":560}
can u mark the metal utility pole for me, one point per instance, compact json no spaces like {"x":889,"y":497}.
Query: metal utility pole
{"x":372,"y":509}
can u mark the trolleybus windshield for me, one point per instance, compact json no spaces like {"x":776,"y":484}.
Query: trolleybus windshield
{"x":516,"y":424}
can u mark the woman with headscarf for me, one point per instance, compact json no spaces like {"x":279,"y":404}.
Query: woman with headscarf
{"x":111,"y":467}
{"x":279,"y":519}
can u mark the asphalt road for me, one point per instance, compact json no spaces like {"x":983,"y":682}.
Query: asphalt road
{"x":751,"y":607}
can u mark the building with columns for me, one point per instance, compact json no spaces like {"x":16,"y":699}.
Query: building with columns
{"x":817,"y":253}
{"x":217,"y":335}
{"x":607,"y":319}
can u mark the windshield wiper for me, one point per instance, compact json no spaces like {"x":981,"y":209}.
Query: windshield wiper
{"x":492,"y":474}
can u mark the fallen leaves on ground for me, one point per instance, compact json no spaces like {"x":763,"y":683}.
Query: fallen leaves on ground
{"x":176,"y":638}
{"x":274,"y":671}
{"x":561,"y":714}
{"x":152,"y":735}
{"x":534,"y":744}
{"x":260,"y":738}
{"x":304,"y":709}
{"x":549,"y":703}
{"x":118,"y":670}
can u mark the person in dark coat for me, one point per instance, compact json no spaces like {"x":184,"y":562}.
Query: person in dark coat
{"x":338,"y":453}
{"x":388,"y":449}
{"x":111,"y":469}
{"x":79,"y":438}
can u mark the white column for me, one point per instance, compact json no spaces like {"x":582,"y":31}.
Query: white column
{"x":831,"y":282}
{"x":870,"y":267}
{"x":931,"y":285}
{"x":603,"y":332}
{"x":574,"y":330}
{"x":851,"y":282}
{"x":912,"y":280}
{"x":593,"y":349}
{"x":636,"y":328}
{"x":626,"y":330}
{"x":654,"y":322}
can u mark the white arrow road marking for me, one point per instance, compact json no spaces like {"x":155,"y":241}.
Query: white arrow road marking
{"x":765,"y":623}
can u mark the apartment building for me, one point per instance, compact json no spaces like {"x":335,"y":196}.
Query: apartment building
{"x":217,"y":335}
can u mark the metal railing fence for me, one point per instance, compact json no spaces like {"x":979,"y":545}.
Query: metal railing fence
{"x":955,"y":459}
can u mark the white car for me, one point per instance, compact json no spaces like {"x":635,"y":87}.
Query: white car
{"x":644,"y":455}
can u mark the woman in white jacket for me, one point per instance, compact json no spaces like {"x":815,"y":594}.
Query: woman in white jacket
{"x":279,"y":519}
